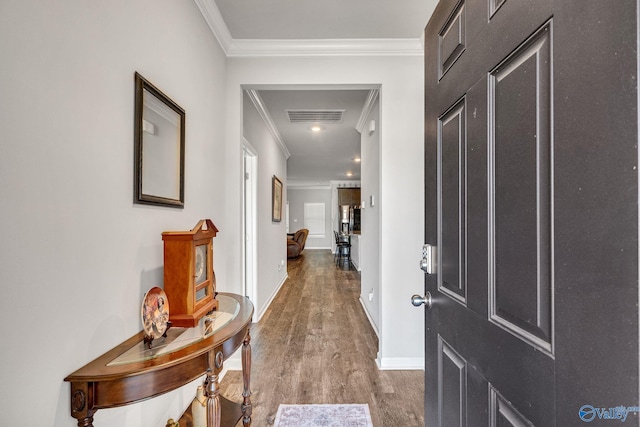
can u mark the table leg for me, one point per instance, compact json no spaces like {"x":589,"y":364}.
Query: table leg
{"x":86,"y":422}
{"x":81,"y":404}
{"x":212,"y":391}
{"x":246,"y":379}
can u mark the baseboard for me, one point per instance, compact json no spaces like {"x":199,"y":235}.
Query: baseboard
{"x":373,"y":325}
{"x":234,"y":362}
{"x":270,"y":300}
{"x":400,"y":363}
{"x":393,"y":363}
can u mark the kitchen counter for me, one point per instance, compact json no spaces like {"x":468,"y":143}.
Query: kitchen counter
{"x":355,"y":249}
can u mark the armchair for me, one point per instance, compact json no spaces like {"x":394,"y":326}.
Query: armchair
{"x":295,"y":245}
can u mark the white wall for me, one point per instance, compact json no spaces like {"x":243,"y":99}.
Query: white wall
{"x":401,"y":204}
{"x":271,"y":238}
{"x":370,"y":217}
{"x":77,"y":254}
{"x":297,"y":197}
{"x":401,"y":174}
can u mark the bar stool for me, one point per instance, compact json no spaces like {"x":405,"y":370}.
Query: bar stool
{"x":343,"y":249}
{"x":339,"y":243}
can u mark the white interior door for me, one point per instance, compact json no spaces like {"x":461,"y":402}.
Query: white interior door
{"x":249,"y":224}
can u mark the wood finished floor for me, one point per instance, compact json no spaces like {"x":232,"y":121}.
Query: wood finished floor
{"x":315,"y":345}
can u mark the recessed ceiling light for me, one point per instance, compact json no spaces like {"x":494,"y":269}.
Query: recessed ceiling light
{"x":357,"y":160}
{"x":349,"y":174}
{"x":316,"y":128}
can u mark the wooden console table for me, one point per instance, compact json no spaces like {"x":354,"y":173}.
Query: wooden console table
{"x":131,"y":372}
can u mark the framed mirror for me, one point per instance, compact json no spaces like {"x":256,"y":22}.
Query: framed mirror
{"x":159,"y":147}
{"x":276,"y":199}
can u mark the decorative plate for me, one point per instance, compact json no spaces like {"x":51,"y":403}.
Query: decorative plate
{"x":155,"y":313}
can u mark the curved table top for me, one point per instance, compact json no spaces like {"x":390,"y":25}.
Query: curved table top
{"x":130,"y":372}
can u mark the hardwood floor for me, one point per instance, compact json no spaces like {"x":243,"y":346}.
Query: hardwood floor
{"x":315,"y":345}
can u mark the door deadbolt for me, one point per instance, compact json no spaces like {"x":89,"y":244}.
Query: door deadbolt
{"x":428,"y":261}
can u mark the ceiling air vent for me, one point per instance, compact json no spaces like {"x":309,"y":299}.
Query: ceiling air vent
{"x":315,"y":116}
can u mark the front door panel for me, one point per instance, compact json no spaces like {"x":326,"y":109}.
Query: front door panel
{"x":510,"y":211}
{"x":503,"y":414}
{"x":452,"y":151}
{"x":452,"y":386}
{"x":520,"y":95}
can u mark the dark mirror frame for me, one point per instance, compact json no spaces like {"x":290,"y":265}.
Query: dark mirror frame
{"x":142,"y":85}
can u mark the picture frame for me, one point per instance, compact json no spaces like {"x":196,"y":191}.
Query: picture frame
{"x":159,"y":147}
{"x":276,"y":199}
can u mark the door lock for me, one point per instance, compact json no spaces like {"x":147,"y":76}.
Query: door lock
{"x":428,"y":261}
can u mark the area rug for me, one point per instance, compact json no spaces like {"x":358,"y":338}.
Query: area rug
{"x":352,"y":415}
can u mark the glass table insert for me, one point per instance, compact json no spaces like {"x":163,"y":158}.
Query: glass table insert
{"x":178,"y":338}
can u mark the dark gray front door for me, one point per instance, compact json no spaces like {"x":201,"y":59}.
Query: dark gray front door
{"x":532,"y":205}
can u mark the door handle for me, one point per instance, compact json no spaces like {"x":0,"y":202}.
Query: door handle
{"x":418,"y":300}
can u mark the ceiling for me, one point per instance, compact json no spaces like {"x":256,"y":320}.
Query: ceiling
{"x":303,"y":27}
{"x":327,"y":154}
{"x":327,"y":19}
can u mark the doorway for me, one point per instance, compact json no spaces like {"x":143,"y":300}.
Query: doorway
{"x":249,"y":189}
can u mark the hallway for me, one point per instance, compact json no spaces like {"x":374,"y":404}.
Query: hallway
{"x":315,"y":345}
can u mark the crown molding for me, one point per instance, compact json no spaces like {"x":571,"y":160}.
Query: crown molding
{"x":264,"y":113}
{"x":321,"y":185}
{"x":366,"y":109}
{"x":308,"y":185}
{"x":325,"y":47}
{"x":312,"y":47}
{"x":211,"y":14}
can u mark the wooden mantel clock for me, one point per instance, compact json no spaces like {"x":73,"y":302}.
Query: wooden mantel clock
{"x":189,"y":279}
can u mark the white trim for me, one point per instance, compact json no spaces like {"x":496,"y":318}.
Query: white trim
{"x":308,"y":185}
{"x":212,"y":15}
{"x":249,"y":206}
{"x":325,"y":47}
{"x":318,"y":47}
{"x":249,"y":147}
{"x":322,"y":185}
{"x":401,"y":363}
{"x":264,"y":113}
{"x":271,"y":298}
{"x":373,"y":325}
{"x":366,"y":109}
